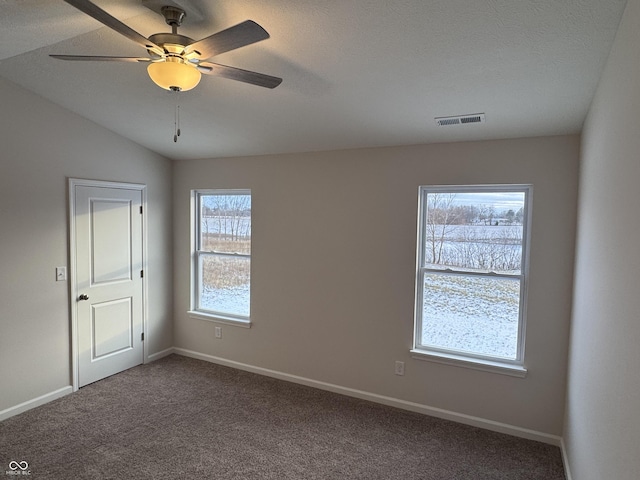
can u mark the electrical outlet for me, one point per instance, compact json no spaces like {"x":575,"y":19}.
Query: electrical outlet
{"x":218,"y":331}
{"x":399,"y":368}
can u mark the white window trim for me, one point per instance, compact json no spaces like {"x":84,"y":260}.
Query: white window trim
{"x":193,"y":312}
{"x":218,"y":318}
{"x":514,"y":367}
{"x":466,"y":362}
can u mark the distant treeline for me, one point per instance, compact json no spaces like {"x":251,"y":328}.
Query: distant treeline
{"x":226,"y":206}
{"x":473,"y":215}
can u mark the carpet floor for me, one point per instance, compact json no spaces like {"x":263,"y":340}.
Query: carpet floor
{"x":185,"y":418}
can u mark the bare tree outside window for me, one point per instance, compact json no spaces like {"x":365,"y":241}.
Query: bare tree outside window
{"x":471,"y":236}
{"x":441,"y":217}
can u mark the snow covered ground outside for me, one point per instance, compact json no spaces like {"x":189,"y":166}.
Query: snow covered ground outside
{"x":233,"y":300}
{"x":472,"y":314}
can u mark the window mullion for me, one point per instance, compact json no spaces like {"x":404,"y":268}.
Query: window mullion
{"x":226,"y":254}
{"x":518,"y":276}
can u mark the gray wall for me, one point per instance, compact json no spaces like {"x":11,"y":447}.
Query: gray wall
{"x":602,"y":432}
{"x":333,"y":270}
{"x":42,"y":146}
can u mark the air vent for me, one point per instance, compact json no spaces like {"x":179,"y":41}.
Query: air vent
{"x":460,"y":119}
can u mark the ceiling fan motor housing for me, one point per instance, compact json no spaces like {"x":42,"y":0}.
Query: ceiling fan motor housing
{"x":169,"y":42}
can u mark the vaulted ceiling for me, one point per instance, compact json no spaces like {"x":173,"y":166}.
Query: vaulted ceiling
{"x":357,"y":73}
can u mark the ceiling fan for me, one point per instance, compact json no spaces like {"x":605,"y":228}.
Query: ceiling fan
{"x":175,"y":62}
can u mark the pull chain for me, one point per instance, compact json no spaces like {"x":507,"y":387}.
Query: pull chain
{"x":176,"y":119}
{"x":178,"y":131}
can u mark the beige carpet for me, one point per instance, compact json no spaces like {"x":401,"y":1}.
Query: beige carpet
{"x":184,"y":418}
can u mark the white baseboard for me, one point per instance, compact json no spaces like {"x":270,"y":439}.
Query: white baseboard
{"x":158,"y":355}
{"x":35,"y":402}
{"x":373,"y":397}
{"x":565,"y":459}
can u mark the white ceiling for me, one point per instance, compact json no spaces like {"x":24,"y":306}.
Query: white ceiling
{"x":357,"y":73}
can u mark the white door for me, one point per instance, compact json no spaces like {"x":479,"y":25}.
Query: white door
{"x":108,"y":285}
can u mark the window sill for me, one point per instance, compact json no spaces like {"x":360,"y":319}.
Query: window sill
{"x":211,"y":317}
{"x":472,"y":363}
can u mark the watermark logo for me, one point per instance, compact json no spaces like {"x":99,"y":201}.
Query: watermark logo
{"x":18,"y":468}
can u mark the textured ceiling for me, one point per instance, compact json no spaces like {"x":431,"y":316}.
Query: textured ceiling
{"x":357,"y":73}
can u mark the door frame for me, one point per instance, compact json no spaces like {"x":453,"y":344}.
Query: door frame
{"x":73,"y":289}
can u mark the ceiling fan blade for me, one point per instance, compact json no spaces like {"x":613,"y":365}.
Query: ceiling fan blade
{"x":245,"y":76}
{"x":103,"y":17}
{"x":94,"y":58}
{"x":240,"y":35}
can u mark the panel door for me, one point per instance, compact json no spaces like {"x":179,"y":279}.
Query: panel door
{"x":109,"y":298}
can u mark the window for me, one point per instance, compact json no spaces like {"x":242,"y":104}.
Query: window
{"x":472,"y":276}
{"x":222,"y":256}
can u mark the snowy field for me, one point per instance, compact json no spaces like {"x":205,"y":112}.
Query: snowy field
{"x":230,"y":299}
{"x":484,"y":323}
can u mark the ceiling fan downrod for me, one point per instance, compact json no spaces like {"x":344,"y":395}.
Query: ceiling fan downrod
{"x":173,"y":16}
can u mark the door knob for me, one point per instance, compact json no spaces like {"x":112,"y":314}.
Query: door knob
{"x":83,"y":297}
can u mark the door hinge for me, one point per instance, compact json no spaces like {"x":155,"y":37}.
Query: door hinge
{"x":141,"y":273}
{"x":142,"y":336}
{"x":140,"y":209}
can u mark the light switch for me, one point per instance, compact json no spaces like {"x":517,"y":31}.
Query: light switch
{"x":61,"y":274}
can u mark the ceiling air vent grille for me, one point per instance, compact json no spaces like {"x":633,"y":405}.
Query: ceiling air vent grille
{"x":460,"y":119}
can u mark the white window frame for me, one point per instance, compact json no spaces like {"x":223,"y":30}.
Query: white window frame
{"x":515,"y":367}
{"x":197,"y":253}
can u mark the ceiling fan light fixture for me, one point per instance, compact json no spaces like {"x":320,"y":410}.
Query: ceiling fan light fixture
{"x":177,"y":61}
{"x":174,"y":75}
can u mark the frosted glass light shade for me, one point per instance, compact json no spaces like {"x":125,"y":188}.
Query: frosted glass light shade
{"x":174,"y":75}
